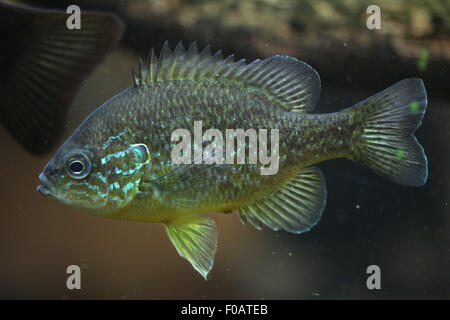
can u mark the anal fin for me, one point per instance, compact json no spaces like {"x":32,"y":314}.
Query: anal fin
{"x":195,"y":238}
{"x":295,"y":207}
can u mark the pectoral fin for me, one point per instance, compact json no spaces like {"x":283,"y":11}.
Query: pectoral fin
{"x":195,"y":238}
{"x":184,"y":186}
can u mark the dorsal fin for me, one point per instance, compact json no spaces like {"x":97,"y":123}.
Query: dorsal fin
{"x":290,"y":82}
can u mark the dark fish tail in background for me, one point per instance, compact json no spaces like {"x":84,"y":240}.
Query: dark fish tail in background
{"x":44,"y":64}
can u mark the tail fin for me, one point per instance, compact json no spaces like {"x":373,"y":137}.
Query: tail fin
{"x":386,"y":143}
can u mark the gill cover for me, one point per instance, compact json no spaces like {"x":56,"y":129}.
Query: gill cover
{"x":123,"y":167}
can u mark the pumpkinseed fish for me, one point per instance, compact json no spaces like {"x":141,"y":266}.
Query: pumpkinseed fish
{"x":119,"y":163}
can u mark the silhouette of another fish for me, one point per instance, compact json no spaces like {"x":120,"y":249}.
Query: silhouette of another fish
{"x":43,"y":65}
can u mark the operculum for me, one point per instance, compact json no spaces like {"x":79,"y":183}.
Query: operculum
{"x":124,"y":167}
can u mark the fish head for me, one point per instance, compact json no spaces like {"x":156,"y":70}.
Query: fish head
{"x":100,"y":178}
{"x":74,"y":178}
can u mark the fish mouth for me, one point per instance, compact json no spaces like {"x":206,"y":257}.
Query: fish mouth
{"x":45,"y":188}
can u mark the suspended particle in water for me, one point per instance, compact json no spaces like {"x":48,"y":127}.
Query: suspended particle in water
{"x":422,"y":63}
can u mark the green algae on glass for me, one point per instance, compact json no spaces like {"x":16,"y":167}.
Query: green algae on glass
{"x":414,"y":106}
{"x":400,"y":153}
{"x":422,"y":63}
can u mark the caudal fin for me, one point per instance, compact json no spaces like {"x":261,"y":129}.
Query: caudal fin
{"x":386,"y":143}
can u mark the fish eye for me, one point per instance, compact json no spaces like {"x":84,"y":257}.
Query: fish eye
{"x":78,"y":166}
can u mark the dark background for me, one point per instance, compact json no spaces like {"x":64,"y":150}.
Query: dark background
{"x":368,"y":220}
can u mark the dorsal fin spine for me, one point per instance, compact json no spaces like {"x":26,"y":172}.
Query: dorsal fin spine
{"x":291,"y":83}
{"x":165,"y":59}
{"x":141,"y":70}
{"x":135,"y":78}
{"x":179,"y":55}
{"x":153,"y":65}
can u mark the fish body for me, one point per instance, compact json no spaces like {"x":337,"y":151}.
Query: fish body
{"x":119,"y":163}
{"x":178,"y":105}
